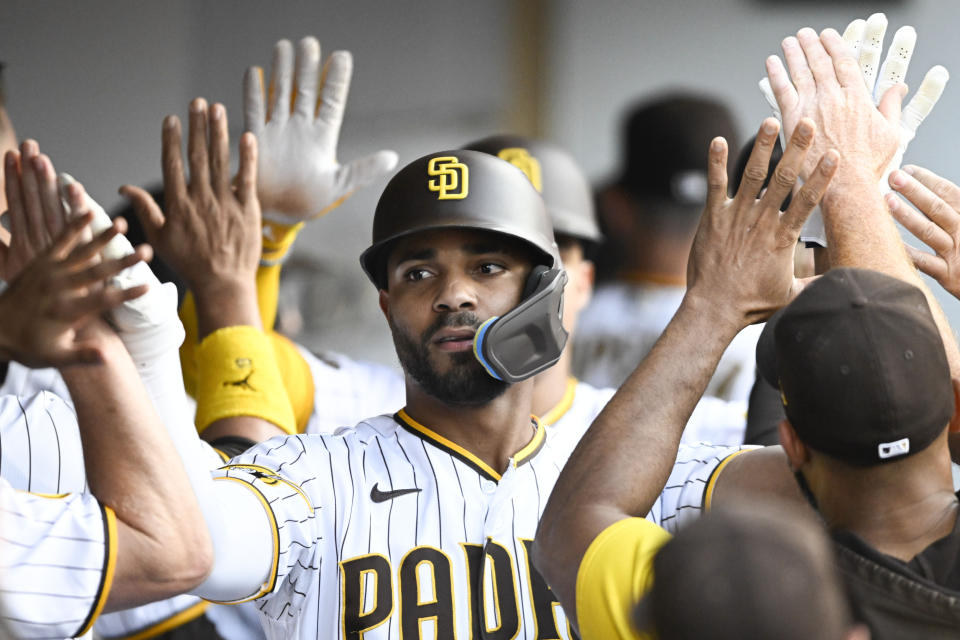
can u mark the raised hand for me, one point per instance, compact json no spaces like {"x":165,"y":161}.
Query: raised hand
{"x":937,"y":224}
{"x":35,"y":210}
{"x":210,"y":231}
{"x":299,"y":176}
{"x":742,"y":254}
{"x":865,"y":39}
{"x":825,"y":83}
{"x":45,"y":308}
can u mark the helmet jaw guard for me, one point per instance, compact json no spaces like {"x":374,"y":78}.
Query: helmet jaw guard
{"x":530,"y":337}
{"x":473,"y":190}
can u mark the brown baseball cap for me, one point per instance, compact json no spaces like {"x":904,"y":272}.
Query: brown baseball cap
{"x":861,"y":367}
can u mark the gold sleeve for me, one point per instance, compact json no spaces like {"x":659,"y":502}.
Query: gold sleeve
{"x":616,"y":571}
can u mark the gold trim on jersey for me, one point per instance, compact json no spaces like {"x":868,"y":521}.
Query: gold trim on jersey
{"x":712,"y":480}
{"x":439,"y":441}
{"x":49,"y":496}
{"x":533,"y":447}
{"x":523,"y":455}
{"x":274,"y":478}
{"x":223,"y":456}
{"x":560,"y":409}
{"x":109,"y":567}
{"x":176,"y":620}
{"x":268,"y":586}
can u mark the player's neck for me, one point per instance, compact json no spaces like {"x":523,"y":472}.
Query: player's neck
{"x":897,"y":514}
{"x":493,"y":432}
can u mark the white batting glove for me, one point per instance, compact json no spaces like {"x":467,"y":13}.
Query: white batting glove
{"x":865,"y":37}
{"x":298,"y":176}
{"x":148,"y":325}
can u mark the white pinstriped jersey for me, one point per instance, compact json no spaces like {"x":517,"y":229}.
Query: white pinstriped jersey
{"x":24,"y":381}
{"x":40,"y":448}
{"x":388,"y":530}
{"x":347,"y":391}
{"x":58,"y":554}
{"x":40,"y":451}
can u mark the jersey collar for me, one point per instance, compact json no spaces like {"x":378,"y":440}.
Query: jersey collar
{"x":560,"y":409}
{"x":520,"y":457}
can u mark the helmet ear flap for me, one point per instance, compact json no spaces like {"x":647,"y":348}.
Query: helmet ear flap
{"x":533,"y":280}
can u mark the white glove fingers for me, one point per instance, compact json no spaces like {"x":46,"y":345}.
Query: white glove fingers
{"x":254,"y":116}
{"x":307,"y":76}
{"x":894,"y":69}
{"x":281,"y":77}
{"x":924,"y":100}
{"x":336,"y":86}
{"x":872,"y":48}
{"x":365,"y":170}
{"x":853,"y":35}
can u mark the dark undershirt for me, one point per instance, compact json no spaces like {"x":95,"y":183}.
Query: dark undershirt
{"x":232,"y":446}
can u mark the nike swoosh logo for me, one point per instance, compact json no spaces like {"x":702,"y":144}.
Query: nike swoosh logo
{"x":382,"y":496}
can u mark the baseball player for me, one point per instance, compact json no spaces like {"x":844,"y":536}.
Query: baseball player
{"x":68,"y":557}
{"x":417,"y":523}
{"x":344,"y":391}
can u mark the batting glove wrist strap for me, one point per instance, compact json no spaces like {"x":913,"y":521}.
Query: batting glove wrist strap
{"x":278,"y":239}
{"x":237,"y":375}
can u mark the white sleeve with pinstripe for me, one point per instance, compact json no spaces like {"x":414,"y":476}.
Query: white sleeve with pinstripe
{"x":690,"y":485}
{"x":58,"y":554}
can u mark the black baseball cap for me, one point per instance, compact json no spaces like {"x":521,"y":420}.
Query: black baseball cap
{"x":665,"y":145}
{"x":861,"y":367}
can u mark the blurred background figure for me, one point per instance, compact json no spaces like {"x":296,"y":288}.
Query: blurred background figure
{"x":649,"y":214}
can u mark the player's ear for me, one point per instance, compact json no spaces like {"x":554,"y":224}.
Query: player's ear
{"x":797,"y":452}
{"x":955,"y":420}
{"x":385,"y":303}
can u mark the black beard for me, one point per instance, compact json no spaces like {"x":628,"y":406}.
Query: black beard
{"x":467,"y":384}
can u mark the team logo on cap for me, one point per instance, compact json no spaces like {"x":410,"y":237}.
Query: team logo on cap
{"x":892,"y":449}
{"x":521,"y":159}
{"x":452,"y":180}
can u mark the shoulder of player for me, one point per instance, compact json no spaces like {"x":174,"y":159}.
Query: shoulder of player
{"x":282,"y":448}
{"x":41,"y":404}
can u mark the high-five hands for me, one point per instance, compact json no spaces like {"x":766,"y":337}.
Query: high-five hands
{"x":865,"y":38}
{"x":299,"y":176}
{"x":210,"y":231}
{"x":44,"y":309}
{"x":936,"y":224}
{"x":742,"y":254}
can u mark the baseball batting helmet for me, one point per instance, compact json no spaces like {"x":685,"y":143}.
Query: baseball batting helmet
{"x":553,"y":172}
{"x":471,"y":190}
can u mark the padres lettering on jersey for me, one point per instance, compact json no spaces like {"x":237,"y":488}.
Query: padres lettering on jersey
{"x":388,"y":530}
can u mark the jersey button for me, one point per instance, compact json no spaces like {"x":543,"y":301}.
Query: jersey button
{"x":489,"y":486}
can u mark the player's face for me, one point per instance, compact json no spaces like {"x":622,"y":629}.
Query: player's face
{"x":441,"y":286}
